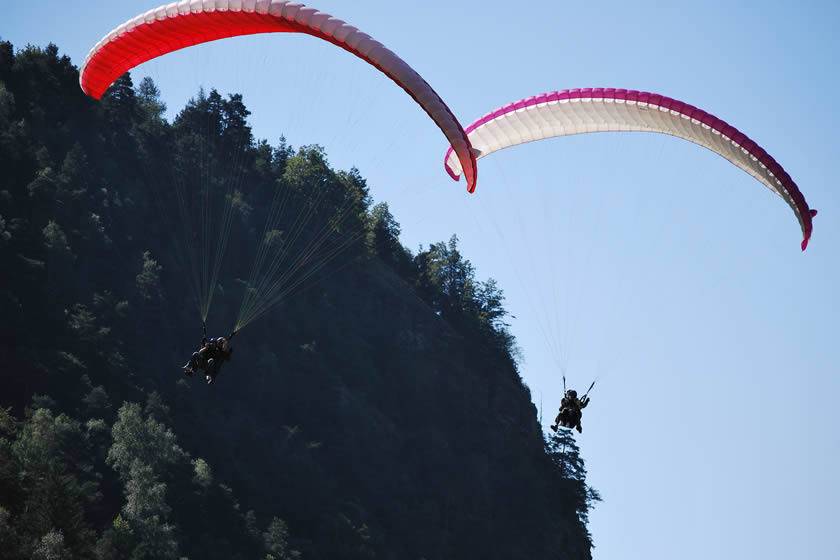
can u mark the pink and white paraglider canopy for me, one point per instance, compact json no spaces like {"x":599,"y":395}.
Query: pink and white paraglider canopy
{"x":191,"y":22}
{"x":579,"y":111}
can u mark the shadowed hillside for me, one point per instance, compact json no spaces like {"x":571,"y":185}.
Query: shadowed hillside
{"x":376,"y":412}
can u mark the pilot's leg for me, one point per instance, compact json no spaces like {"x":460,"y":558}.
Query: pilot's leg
{"x":212,"y":370}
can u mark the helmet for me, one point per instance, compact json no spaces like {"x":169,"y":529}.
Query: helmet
{"x":572,"y":393}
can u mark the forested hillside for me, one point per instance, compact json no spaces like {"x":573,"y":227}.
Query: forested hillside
{"x":376,"y":412}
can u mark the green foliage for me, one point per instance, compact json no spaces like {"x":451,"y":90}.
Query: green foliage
{"x":7,"y":105}
{"x":143,"y":439}
{"x":83,"y":323}
{"x":155,"y":407}
{"x":143,"y":520}
{"x":148,"y":280}
{"x":5,"y":234}
{"x":240,"y":207}
{"x":274,"y":239}
{"x":51,"y":547}
{"x":203,"y":473}
{"x":276,"y":542}
{"x":148,"y":96}
{"x":564,"y":453}
{"x":75,"y":168}
{"x":56,"y":241}
{"x":384,"y":239}
{"x":97,"y":400}
{"x":50,"y":456}
{"x":98,"y":433}
{"x":9,"y":540}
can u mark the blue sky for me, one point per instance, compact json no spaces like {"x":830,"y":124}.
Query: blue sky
{"x":671,"y":275}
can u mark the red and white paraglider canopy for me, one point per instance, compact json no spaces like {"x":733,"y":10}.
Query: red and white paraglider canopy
{"x":191,"y":22}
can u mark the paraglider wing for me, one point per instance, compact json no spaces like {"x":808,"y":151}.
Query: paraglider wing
{"x":578,"y":111}
{"x":191,"y":22}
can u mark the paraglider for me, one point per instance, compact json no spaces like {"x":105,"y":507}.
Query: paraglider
{"x":579,"y":111}
{"x":186,"y":23}
{"x":210,"y":357}
{"x":571,"y":409}
{"x":182,"y":24}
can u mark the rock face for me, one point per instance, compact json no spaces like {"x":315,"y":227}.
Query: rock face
{"x":378,"y":412}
